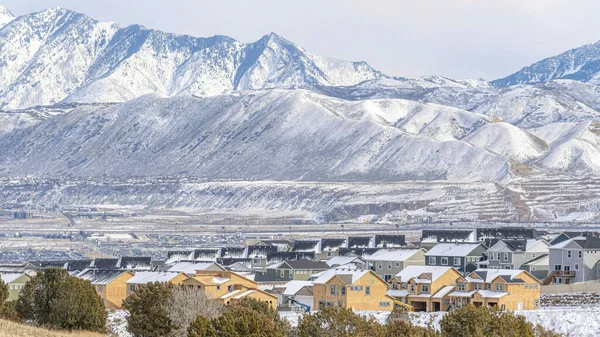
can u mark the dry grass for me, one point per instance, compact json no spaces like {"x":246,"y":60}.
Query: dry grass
{"x":10,"y":329}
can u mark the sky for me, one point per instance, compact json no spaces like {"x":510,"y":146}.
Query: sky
{"x":455,"y":38}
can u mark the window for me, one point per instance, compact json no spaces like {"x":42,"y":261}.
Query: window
{"x":412,"y":288}
{"x":397,"y":264}
{"x":379,"y":265}
{"x":576,"y":266}
{"x":526,"y":285}
{"x":446,"y":302}
{"x":569,"y":254}
{"x":256,"y":261}
{"x":535,"y":285}
{"x":218,"y":287}
{"x":461,"y":287}
{"x":489,"y":286}
{"x":340,"y":303}
{"x":389,"y":266}
{"x":477,"y":286}
{"x":457,"y":261}
{"x":503,"y":307}
{"x":532,"y":268}
{"x":282,"y":273}
{"x":557,"y":267}
{"x":431,"y":260}
{"x":425,"y":288}
{"x":403,"y":286}
{"x":229,"y":288}
{"x":498,"y":256}
{"x":533,"y":255}
{"x":499,"y":288}
{"x":505,"y":256}
{"x":343,"y":290}
{"x":100,"y":288}
{"x":333,"y":290}
{"x":444,"y":261}
{"x":536,"y":303}
{"x":579,"y":254}
{"x":367,"y":291}
{"x":384,"y":304}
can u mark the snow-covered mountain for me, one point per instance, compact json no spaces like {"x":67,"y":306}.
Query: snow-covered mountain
{"x":58,"y":55}
{"x":5,"y":16}
{"x":272,"y":134}
{"x":580,"y":64}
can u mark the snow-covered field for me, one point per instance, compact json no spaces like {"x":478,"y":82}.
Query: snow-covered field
{"x":569,"y":321}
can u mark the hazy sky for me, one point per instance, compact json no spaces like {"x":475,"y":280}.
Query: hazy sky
{"x":454,"y":38}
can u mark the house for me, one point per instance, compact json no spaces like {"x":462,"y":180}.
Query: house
{"x":462,"y":256}
{"x":386,"y":263}
{"x":506,"y":289}
{"x":295,"y":294}
{"x":512,"y":254}
{"x":297,"y":270}
{"x":15,"y":283}
{"x":488,"y":236}
{"x":145,"y":277}
{"x":538,"y":267}
{"x":355,"y":262}
{"x":425,"y":288}
{"x":191,"y":267}
{"x":227,"y":286}
{"x":431,"y":237}
{"x":110,"y":284}
{"x":351,"y":289}
{"x":574,"y":260}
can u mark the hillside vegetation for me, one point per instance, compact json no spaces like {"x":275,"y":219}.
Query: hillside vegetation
{"x":11,"y":329}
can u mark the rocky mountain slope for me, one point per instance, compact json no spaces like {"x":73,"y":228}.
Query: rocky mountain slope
{"x":581,"y":64}
{"x":58,"y":55}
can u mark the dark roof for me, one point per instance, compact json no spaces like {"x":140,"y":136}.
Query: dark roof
{"x":305,"y":244}
{"x":506,"y":233}
{"x":289,"y":256}
{"x":509,"y":280}
{"x":307,"y":264}
{"x":100,"y":276}
{"x":389,"y":240}
{"x":446,"y":235}
{"x":482,"y":274}
{"x":536,"y":259}
{"x":516,"y":245}
{"x":359,"y":241}
{"x":135,"y":262}
{"x":590,"y":242}
{"x":357,"y":251}
{"x":78,"y":265}
{"x":328,"y":243}
{"x":106,"y":263}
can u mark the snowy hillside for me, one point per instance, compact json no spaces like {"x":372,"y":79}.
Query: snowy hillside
{"x":5,"y":16}
{"x":58,"y":55}
{"x":581,"y":64}
{"x":272,"y":134}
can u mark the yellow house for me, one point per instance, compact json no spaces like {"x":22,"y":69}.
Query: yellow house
{"x":146,"y":277}
{"x":111,"y":285}
{"x":351,"y":289}
{"x":228,"y":286}
{"x":507,"y":289}
{"x":425,"y":288}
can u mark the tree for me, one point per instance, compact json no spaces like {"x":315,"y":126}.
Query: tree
{"x":248,"y":317}
{"x":186,"y":304}
{"x":148,"y":315}
{"x":484,"y":321}
{"x":8,"y":311}
{"x":60,"y":301}
{"x":332,"y":322}
{"x":3,"y":292}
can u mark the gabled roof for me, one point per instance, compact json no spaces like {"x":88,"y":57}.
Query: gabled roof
{"x":191,"y":267}
{"x":146,"y":277}
{"x":488,"y":275}
{"x":413,"y":272}
{"x":8,"y":278}
{"x":452,"y":249}
{"x":538,"y":259}
{"x":293,"y":287}
{"x":100,"y":277}
{"x":394,"y":255}
{"x":346,"y":275}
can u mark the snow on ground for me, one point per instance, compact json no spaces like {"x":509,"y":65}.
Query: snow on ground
{"x":568,"y":321}
{"x":117,"y":324}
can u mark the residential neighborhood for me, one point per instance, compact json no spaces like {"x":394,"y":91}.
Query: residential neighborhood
{"x":446,"y":269}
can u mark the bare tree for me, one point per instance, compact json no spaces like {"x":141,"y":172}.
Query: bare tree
{"x":186,"y":304}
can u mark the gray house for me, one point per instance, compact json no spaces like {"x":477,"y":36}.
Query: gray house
{"x":538,"y":267}
{"x":574,"y":260}
{"x":512,"y":254}
{"x":462,"y":256}
{"x":386,"y":263}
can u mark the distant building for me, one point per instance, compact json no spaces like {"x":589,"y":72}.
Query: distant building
{"x":462,"y":256}
{"x":111,"y":285}
{"x":388,"y":262}
{"x":15,"y":283}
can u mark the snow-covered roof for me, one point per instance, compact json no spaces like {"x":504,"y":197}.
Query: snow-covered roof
{"x":10,"y":277}
{"x":443,"y":292}
{"x":397,"y":293}
{"x":292,"y":287}
{"x":341,"y":260}
{"x":354,"y":275}
{"x":100,"y":277}
{"x":146,"y":277}
{"x":462,"y":293}
{"x":230,"y":294}
{"x":245,"y":293}
{"x":491,"y":294}
{"x":415,"y":271}
{"x":190,"y":267}
{"x":452,"y":249}
{"x":488,"y":275}
{"x":219,"y":280}
{"x":399,"y":255}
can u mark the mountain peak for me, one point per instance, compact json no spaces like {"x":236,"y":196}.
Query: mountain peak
{"x":5,"y":16}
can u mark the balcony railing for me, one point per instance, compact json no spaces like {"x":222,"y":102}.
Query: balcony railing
{"x":564,"y":273}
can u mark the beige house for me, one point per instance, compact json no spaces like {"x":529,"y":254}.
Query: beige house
{"x":15,"y":283}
